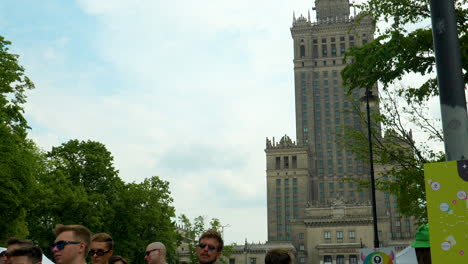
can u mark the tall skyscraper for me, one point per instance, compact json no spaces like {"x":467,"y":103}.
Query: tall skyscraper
{"x":309,"y":201}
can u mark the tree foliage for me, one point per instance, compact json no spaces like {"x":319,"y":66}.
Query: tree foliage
{"x":399,"y":158}
{"x":400,"y":49}
{"x":17,"y":157}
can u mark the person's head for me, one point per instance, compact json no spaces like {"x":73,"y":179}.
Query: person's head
{"x":102,"y":247}
{"x":422,"y":245}
{"x":26,"y":255}
{"x":210,"y":247}
{"x":12,"y":244}
{"x":71,"y":244}
{"x":117,"y":260}
{"x":2,"y":255}
{"x":155,"y":253}
{"x":278,"y":256}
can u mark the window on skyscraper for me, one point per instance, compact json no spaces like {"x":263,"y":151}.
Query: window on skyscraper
{"x":302,"y":51}
{"x":339,"y":235}
{"x":325,"y":82}
{"x":333,"y":50}
{"x":342,"y":48}
{"x":330,"y":170}
{"x":286,"y":162}
{"x":327,"y":235}
{"x":278,"y":181}
{"x":294,"y":162}
{"x":325,"y":74}
{"x":278,"y":162}
{"x":324,"y":50}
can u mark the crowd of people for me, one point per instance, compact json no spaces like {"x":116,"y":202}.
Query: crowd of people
{"x":74,"y":242}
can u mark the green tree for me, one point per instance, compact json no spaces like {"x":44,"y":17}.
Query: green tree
{"x":401,"y":48}
{"x":90,"y":165}
{"x":144,"y":215}
{"x":17,"y":156}
{"x":399,"y":157}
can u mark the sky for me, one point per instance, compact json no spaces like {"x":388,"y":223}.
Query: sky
{"x":184,"y":90}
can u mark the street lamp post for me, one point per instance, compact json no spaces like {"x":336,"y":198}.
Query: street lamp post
{"x":368,"y":97}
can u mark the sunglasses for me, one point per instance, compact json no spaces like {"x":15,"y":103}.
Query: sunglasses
{"x":98,"y":252}
{"x":203,"y":245}
{"x":149,"y":251}
{"x":60,"y":245}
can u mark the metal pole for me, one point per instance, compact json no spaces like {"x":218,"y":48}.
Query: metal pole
{"x":371,"y":162}
{"x":450,"y":79}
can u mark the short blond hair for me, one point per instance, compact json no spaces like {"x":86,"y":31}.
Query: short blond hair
{"x":103,"y":237}
{"x":80,"y":232}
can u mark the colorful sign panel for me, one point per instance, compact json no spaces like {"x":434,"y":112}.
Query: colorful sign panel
{"x":377,"y":256}
{"x":447,"y":209}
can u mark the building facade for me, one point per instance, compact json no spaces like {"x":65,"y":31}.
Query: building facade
{"x":311,"y":201}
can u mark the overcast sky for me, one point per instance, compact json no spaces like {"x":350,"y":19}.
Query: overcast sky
{"x":186,"y":90}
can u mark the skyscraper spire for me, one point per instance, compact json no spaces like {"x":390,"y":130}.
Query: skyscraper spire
{"x":308,"y":15}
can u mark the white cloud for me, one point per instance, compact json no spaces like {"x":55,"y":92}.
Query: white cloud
{"x":187,"y":90}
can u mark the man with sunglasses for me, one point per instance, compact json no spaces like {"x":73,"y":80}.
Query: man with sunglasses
{"x":71,"y":244}
{"x":101,"y":248}
{"x":155,"y":253}
{"x":210,"y":247}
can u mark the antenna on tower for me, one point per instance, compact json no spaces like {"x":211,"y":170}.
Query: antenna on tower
{"x":294,"y":17}
{"x":308,"y":15}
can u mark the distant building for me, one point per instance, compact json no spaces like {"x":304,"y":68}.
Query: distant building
{"x":325,"y":218}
